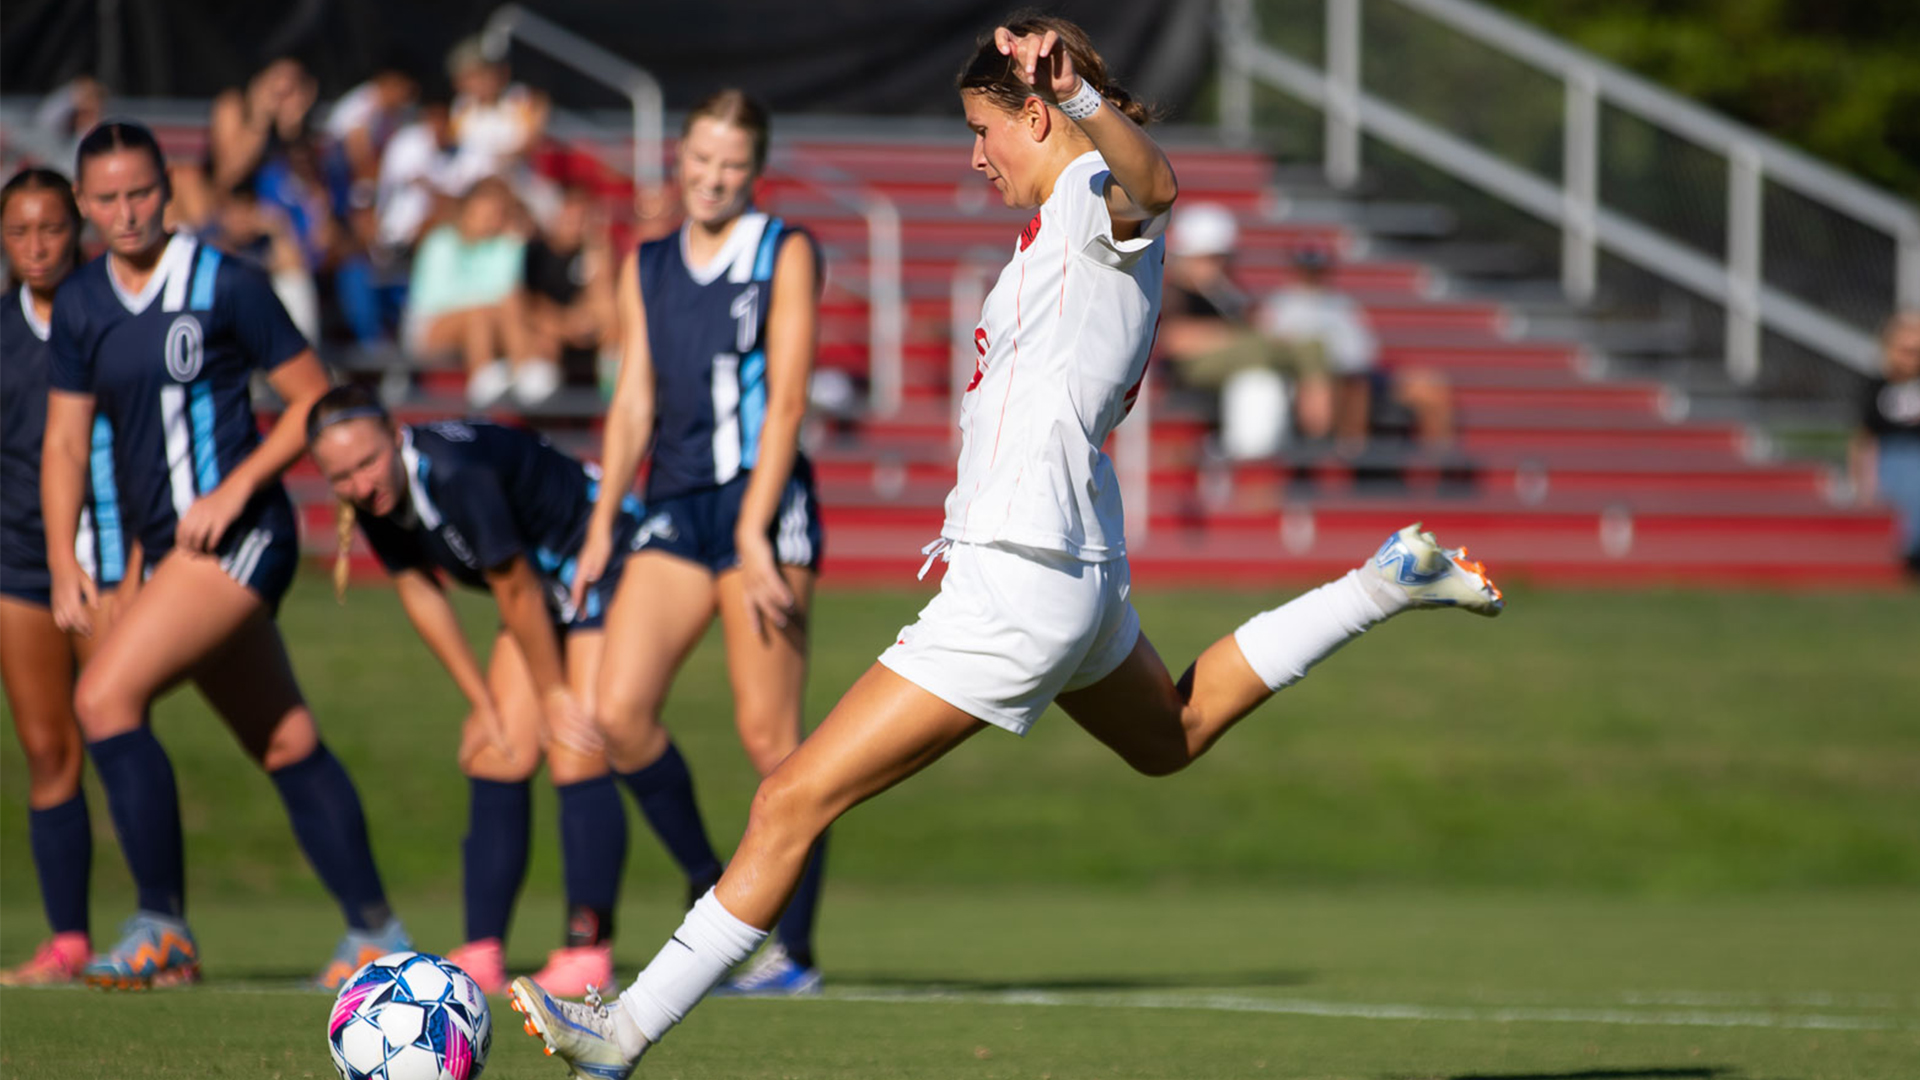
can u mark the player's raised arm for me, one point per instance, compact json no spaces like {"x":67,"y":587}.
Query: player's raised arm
{"x":1144,"y":186}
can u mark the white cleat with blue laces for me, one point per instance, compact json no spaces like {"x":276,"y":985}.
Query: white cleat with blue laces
{"x":1433,"y":576}
{"x":582,"y":1034}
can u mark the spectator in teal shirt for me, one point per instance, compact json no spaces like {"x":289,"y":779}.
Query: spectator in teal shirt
{"x":465,"y":300}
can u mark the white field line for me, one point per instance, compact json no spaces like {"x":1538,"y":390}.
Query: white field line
{"x":1231,"y":1003}
{"x":1371,"y":1011}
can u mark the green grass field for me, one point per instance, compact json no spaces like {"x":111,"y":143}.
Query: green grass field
{"x":1607,"y":837}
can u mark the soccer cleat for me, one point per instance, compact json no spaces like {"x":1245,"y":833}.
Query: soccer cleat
{"x":1433,"y":576}
{"x":774,"y":974}
{"x":359,"y":948}
{"x":582,"y":1035}
{"x":61,"y":959}
{"x":154,"y":950}
{"x":483,"y":963}
{"x":575,"y":971}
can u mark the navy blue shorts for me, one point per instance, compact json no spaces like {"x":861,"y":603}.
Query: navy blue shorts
{"x":34,"y":585}
{"x":262,"y":547}
{"x":698,"y":526}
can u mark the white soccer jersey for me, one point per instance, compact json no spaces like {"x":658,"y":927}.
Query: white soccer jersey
{"x":1063,"y":343}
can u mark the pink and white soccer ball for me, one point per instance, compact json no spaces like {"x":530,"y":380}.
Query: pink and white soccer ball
{"x":410,"y":1016}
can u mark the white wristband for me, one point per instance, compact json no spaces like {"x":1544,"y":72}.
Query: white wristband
{"x":1084,"y":103}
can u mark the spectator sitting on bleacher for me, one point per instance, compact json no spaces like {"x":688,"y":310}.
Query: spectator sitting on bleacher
{"x":421,"y":172}
{"x":465,"y":300}
{"x":569,"y":285}
{"x":1316,"y":318}
{"x":239,"y":223}
{"x":366,"y":117}
{"x":252,"y":125}
{"x":1207,"y":331}
{"x":499,"y":122}
{"x":1885,"y":454}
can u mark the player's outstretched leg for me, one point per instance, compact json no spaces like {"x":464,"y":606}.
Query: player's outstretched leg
{"x":1159,"y":726}
{"x":884,"y":730}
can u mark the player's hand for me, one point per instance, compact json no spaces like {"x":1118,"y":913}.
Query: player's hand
{"x":590,"y":564}
{"x":770,"y":603}
{"x":75,"y":599}
{"x":1041,"y":61}
{"x":206,"y":522}
{"x":569,"y":723}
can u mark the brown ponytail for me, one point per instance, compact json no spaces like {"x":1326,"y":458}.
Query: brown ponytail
{"x":993,"y":74}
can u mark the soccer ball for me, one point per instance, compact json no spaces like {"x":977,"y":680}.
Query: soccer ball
{"x":409,"y":1016}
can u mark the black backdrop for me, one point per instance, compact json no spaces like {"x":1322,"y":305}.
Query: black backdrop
{"x":852,"y":56}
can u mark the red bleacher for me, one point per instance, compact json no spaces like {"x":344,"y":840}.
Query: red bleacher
{"x":1573,"y":479}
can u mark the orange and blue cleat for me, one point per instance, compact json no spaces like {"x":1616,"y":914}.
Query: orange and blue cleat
{"x":155,"y":950}
{"x":358,"y":949}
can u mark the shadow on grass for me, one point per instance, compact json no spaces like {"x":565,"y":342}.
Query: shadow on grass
{"x":1220,"y":980}
{"x":1652,"y":1073}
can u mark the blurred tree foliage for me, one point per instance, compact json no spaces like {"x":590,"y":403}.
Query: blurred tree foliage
{"x":1839,"y":78}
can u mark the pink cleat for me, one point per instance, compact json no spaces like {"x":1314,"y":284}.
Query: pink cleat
{"x":60,"y":960}
{"x":573,"y":972}
{"x":483,"y":961}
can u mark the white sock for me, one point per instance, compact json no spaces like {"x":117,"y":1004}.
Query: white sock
{"x":708,"y":944}
{"x":1283,"y":643}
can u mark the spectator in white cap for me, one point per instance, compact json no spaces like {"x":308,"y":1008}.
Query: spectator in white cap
{"x":1208,"y":329}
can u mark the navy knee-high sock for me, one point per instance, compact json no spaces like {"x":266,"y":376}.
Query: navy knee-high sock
{"x":332,"y":830}
{"x":145,"y":806}
{"x":494,"y":855}
{"x":593,"y":849}
{"x":62,"y":841}
{"x":795,"y":928}
{"x":664,"y":791}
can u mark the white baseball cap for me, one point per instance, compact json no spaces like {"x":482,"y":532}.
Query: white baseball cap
{"x":1204,"y":229}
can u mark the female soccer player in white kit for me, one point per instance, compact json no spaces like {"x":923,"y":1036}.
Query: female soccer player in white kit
{"x":1034,"y":604}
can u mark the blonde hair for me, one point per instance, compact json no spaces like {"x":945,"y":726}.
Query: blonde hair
{"x":343,"y":551}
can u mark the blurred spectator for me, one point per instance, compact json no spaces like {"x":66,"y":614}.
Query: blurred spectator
{"x":254,"y":124}
{"x":465,"y":301}
{"x":1207,"y":331}
{"x":569,"y":284}
{"x":498,"y":122}
{"x":1318,"y":320}
{"x":240,"y":223}
{"x":421,"y":168}
{"x":67,"y":114}
{"x":365,"y":117}
{"x":1885,"y":454}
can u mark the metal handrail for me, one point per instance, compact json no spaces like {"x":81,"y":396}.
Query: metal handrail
{"x":628,"y":79}
{"x":886,"y":299}
{"x":1573,"y":204}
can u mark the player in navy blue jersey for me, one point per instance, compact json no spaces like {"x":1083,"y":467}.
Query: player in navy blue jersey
{"x":161,"y":336}
{"x":719,"y":323}
{"x":41,"y":227}
{"x":501,"y":510}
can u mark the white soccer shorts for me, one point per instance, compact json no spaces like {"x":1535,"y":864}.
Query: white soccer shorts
{"x":1012,"y":628}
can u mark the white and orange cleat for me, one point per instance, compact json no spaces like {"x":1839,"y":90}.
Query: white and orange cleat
{"x":1413,"y":561}
{"x":581,"y":1034}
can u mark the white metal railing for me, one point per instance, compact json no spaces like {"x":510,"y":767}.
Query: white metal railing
{"x":886,"y":297}
{"x":628,"y":79}
{"x":1574,"y":202}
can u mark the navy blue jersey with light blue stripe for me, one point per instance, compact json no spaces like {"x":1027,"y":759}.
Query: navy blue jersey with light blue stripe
{"x":26,"y":358}
{"x":478,"y":495}
{"x":169,"y":369}
{"x":707,"y":329}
